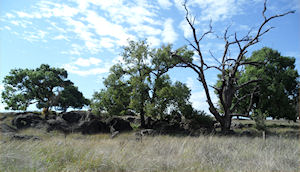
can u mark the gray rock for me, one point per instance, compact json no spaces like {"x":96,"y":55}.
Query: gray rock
{"x":4,"y":128}
{"x":27,"y":120}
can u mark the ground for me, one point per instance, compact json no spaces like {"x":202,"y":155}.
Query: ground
{"x":55,"y":151}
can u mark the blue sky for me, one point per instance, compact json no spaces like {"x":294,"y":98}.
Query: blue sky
{"x":86,"y":36}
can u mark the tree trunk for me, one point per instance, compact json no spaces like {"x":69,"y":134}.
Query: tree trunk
{"x":142,"y":114}
{"x":225,"y":124}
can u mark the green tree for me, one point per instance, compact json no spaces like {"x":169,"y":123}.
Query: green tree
{"x":142,"y":85}
{"x":278,"y":86}
{"x":115,"y":98}
{"x":45,"y":86}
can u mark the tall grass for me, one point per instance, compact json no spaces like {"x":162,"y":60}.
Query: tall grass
{"x":159,"y":153}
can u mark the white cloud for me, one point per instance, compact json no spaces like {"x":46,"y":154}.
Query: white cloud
{"x":217,"y":10}
{"x":35,"y":35}
{"x":60,"y":37}
{"x":153,"y":41}
{"x":103,"y":27}
{"x":118,"y":60}
{"x":190,"y":83}
{"x":185,"y":27}
{"x":72,"y":68}
{"x":166,"y":4}
{"x":7,"y":27}
{"x":107,"y":43}
{"x":9,"y":15}
{"x":87,"y":62}
{"x":169,"y":35}
{"x":143,"y":30}
{"x":75,"y":50}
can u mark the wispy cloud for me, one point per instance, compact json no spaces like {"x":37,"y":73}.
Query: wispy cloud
{"x":86,"y":67}
{"x":169,"y":35}
{"x":165,"y":4}
{"x":87,"y":62}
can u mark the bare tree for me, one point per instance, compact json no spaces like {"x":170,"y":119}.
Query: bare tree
{"x":228,"y":66}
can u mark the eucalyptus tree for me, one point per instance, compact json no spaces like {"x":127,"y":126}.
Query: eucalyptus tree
{"x":45,"y":86}
{"x":141,"y":84}
{"x":278,"y":88}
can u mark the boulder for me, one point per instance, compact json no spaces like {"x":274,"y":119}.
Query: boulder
{"x":148,"y":132}
{"x":119,"y":124}
{"x":92,"y":127}
{"x":27,"y":120}
{"x":73,"y":116}
{"x":4,"y":128}
{"x":58,"y":124}
{"x":164,"y":127}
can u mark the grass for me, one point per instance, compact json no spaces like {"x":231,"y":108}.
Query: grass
{"x":160,"y":153}
{"x":279,"y":152}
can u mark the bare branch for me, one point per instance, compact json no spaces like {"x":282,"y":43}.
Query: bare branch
{"x":208,"y":32}
{"x":213,"y":67}
{"x":247,"y":83}
{"x":216,"y":88}
{"x":214,"y":57}
{"x":265,"y":9}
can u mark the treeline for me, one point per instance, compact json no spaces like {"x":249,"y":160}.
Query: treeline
{"x":140,"y":85}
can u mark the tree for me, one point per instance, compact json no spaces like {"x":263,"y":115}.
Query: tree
{"x":115,"y":98}
{"x":70,"y":97}
{"x":45,"y":86}
{"x":151,"y":86}
{"x":228,"y":66}
{"x":278,"y":87}
{"x":142,"y":85}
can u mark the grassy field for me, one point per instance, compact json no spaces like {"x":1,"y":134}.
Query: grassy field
{"x":99,"y":152}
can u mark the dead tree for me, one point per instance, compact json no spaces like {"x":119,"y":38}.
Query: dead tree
{"x":228,"y":66}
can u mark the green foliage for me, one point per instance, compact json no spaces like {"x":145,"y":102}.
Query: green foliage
{"x":259,"y":119}
{"x":70,"y":96}
{"x":278,"y":88}
{"x":115,"y":98}
{"x":142,"y":84}
{"x":45,"y":86}
{"x":201,"y":118}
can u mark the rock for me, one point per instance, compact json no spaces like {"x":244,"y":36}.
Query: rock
{"x":4,"y":128}
{"x":2,"y":118}
{"x":27,"y":120}
{"x":247,"y":133}
{"x":73,"y":116}
{"x":92,"y":127}
{"x":237,"y":125}
{"x":148,"y":132}
{"x":24,"y":137}
{"x":164,"y":127}
{"x":58,"y":124}
{"x":119,"y":124}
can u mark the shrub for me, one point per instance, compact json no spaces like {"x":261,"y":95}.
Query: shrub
{"x":259,"y":119}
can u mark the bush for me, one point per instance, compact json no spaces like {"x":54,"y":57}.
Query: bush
{"x":201,"y":118}
{"x":259,"y":119}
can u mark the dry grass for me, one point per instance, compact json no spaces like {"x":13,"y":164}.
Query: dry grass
{"x":160,"y":153}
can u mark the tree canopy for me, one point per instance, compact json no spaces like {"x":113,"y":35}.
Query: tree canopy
{"x":142,"y":84}
{"x":277,"y":90}
{"x":44,"y":86}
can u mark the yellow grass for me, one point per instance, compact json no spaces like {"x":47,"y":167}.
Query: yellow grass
{"x":160,"y":153}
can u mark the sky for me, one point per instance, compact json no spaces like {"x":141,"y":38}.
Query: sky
{"x":86,"y":37}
